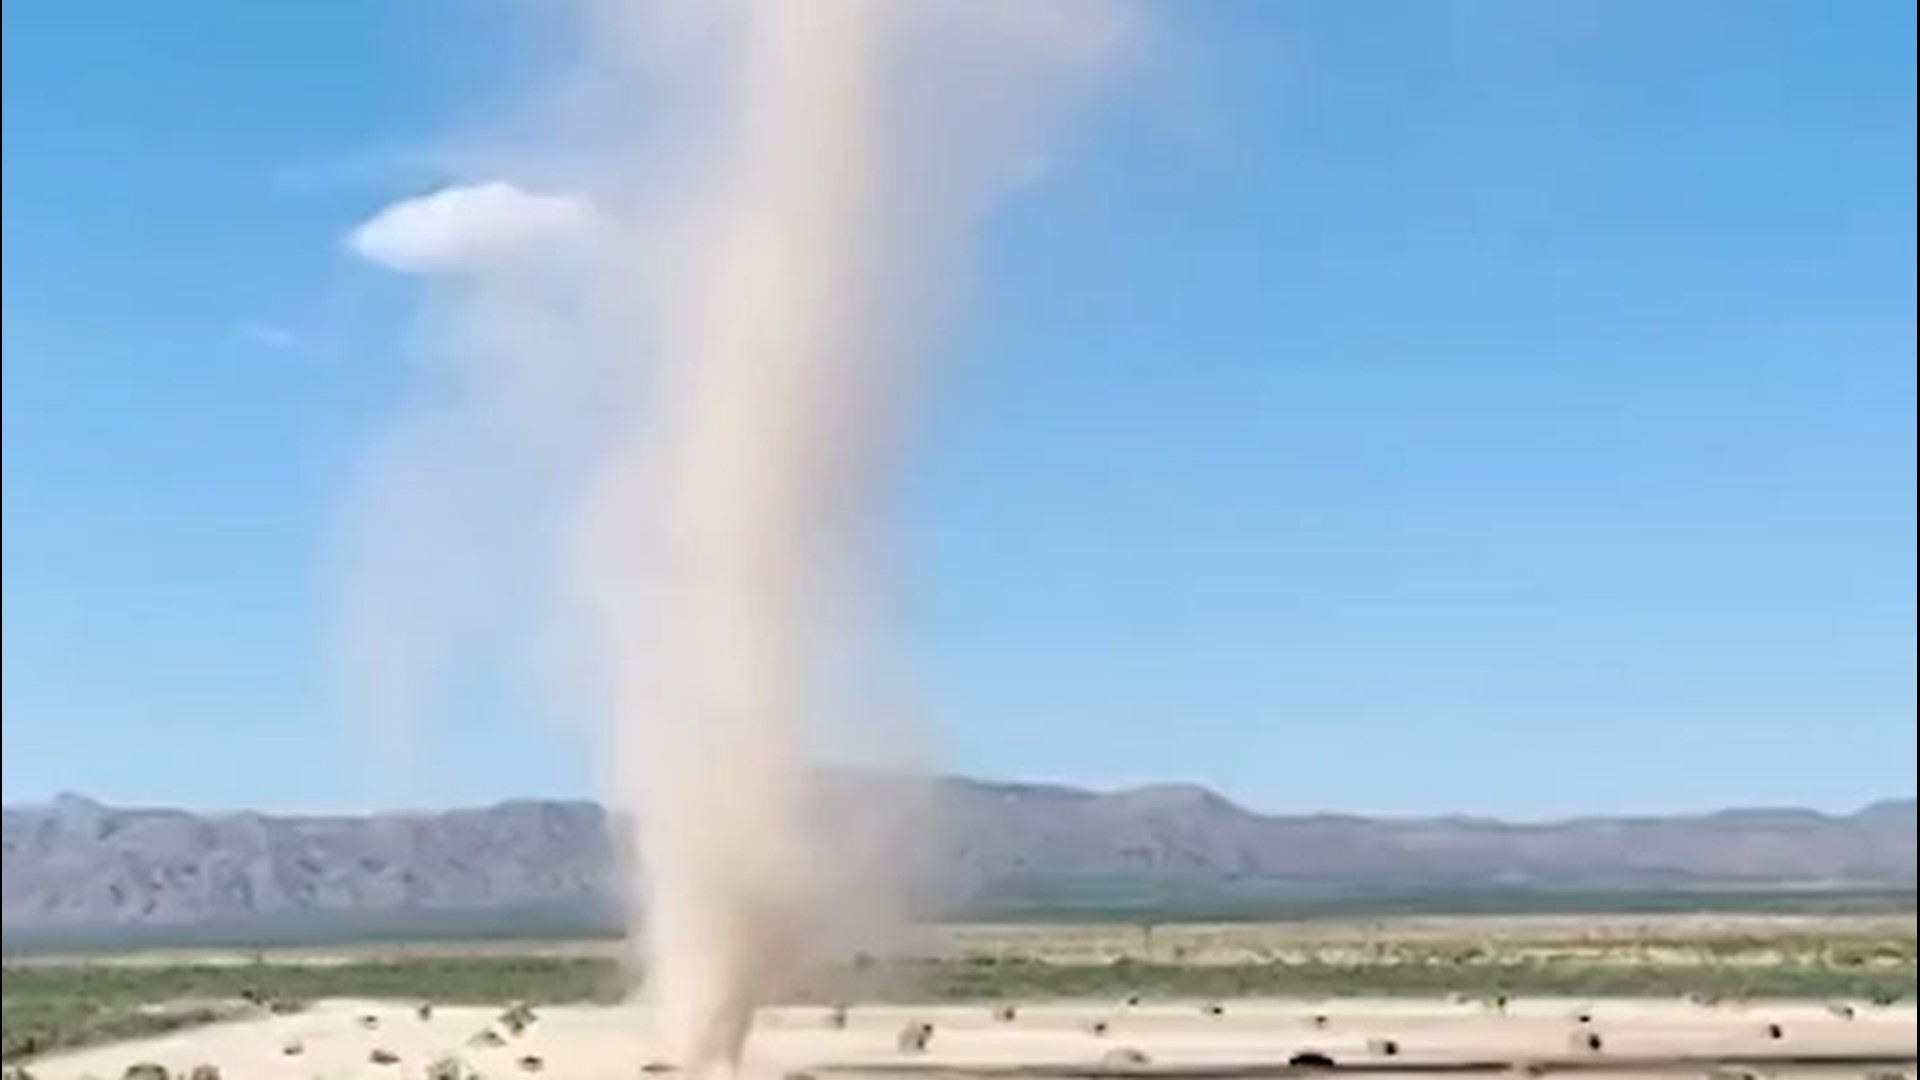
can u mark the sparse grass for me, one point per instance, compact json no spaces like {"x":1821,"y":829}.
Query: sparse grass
{"x":1032,"y":979}
{"x":39,"y":1026}
{"x":449,"y":979}
{"x":55,"y":1004}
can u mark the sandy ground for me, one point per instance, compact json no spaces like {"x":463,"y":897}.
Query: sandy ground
{"x":337,"y":1040}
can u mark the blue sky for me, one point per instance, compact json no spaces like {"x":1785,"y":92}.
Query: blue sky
{"x":1494,"y":407}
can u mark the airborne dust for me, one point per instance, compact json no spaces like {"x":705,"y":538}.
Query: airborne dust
{"x":669,"y":372}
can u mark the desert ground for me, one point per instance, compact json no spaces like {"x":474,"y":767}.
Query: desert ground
{"x":342,"y":1039}
{"x":1625,"y":995}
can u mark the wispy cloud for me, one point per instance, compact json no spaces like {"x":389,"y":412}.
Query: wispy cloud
{"x":280,"y":339}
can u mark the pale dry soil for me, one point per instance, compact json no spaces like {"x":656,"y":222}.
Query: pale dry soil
{"x":336,"y":1040}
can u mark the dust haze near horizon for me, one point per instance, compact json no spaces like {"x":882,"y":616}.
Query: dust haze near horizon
{"x":680,"y":466}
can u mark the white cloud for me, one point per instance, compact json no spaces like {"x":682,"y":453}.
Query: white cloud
{"x":470,"y":228}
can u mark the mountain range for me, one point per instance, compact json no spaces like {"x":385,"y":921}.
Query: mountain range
{"x":73,"y":865}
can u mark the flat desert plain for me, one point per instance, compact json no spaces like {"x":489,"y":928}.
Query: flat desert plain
{"x":1695,"y":996}
{"x":336,"y":1040}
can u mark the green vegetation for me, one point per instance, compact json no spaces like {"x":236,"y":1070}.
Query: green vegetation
{"x":34,"y":1027}
{"x":1028,"y":979}
{"x":448,"y":979}
{"x":52,"y":1004}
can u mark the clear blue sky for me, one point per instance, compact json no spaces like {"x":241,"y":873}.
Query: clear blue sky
{"x":1495,"y":407}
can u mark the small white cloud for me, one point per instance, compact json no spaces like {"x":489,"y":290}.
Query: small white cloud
{"x":469,"y":228}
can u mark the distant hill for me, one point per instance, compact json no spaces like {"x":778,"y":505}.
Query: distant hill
{"x":75,"y":866}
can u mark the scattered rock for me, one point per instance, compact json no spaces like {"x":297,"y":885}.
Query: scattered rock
{"x":1498,"y":1003}
{"x":1318,"y":1021}
{"x":424,"y":1010}
{"x":383,"y":1056}
{"x":1132,"y":1000}
{"x":369,"y":1021}
{"x":518,"y":1018}
{"x":1213,"y":1008}
{"x":1005,"y":1013}
{"x":1529,"y":1068}
{"x":837,"y":1017}
{"x":145,"y":1070}
{"x":532,"y":1063}
{"x":486,"y":1037}
{"x":1588,"y":1041}
{"x":1121,"y":1057}
{"x":284,"y":1007}
{"x":1310,"y":1059}
{"x":1583,"y":1016}
{"x":655,"y":1067}
{"x":1841,"y":1009}
{"x":914,"y":1037}
{"x":1383,"y":1047}
{"x":293,"y":1047}
{"x":1097,"y":1027}
{"x":449,"y":1068}
{"x":204,"y":1072}
{"x":1774,"y":1031}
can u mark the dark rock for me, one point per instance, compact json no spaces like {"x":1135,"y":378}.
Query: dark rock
{"x":914,"y":1037}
